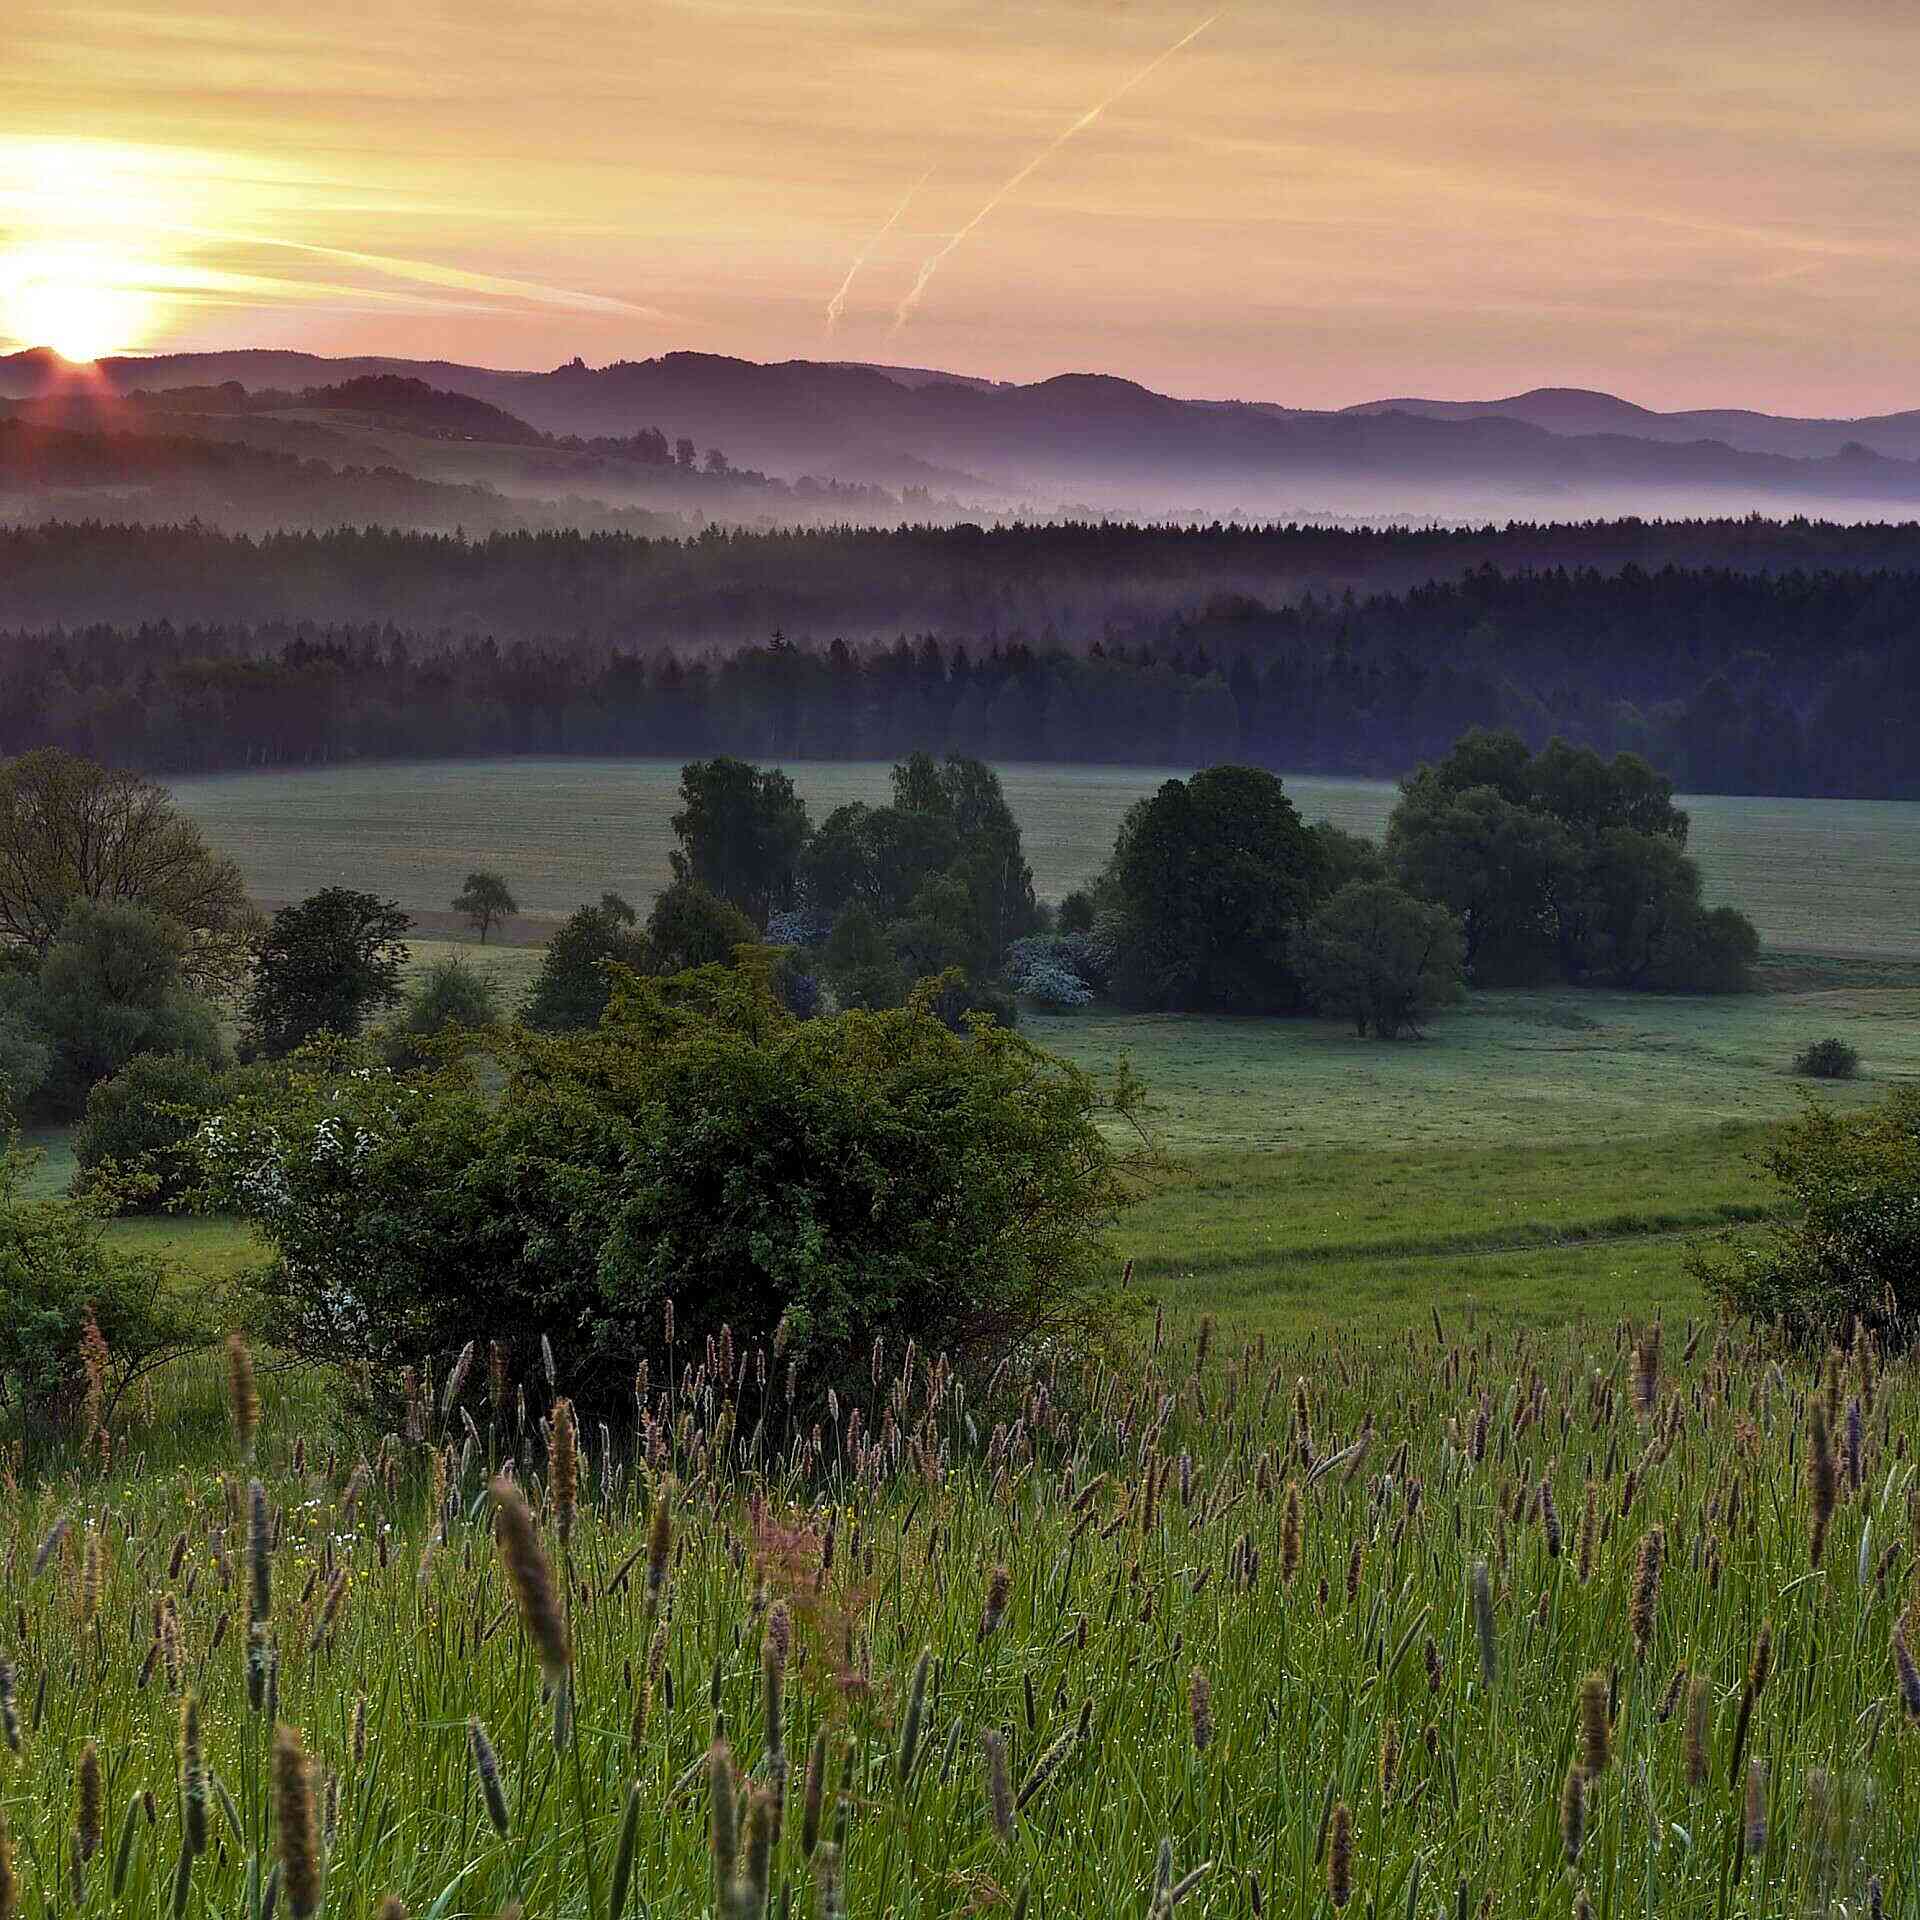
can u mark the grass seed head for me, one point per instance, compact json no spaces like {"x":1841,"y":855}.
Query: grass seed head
{"x":563,"y":1459}
{"x":1823,"y":1478}
{"x":531,"y":1578}
{"x":1573,"y":1812}
{"x":1643,"y":1608}
{"x":1482,"y":1588}
{"x":999,"y":1785}
{"x":193,"y":1775}
{"x":724,"y":1827}
{"x":914,"y":1720}
{"x":259,"y":1556}
{"x":1909,"y":1674}
{"x":296,"y":1825}
{"x":243,"y":1396}
{"x":1200,"y":1709}
{"x":486,"y":1767}
{"x":1340,"y":1856}
{"x":90,"y":1804}
{"x":1595,"y":1729}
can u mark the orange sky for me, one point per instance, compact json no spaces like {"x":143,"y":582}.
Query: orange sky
{"x":1693,"y":204}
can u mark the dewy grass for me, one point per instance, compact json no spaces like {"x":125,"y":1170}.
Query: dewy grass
{"x":944,"y":1651}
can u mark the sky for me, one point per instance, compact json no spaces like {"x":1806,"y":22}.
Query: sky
{"x":1702,"y":203}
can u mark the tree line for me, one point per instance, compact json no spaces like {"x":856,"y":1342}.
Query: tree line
{"x":1789,"y":683}
{"x":1065,"y":583}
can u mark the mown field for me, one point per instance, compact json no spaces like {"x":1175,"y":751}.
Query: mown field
{"x":1827,"y":876}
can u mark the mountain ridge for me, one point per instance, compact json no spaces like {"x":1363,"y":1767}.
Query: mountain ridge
{"x":1102,"y":440}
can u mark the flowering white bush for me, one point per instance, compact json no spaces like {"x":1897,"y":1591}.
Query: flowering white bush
{"x":1063,"y":971}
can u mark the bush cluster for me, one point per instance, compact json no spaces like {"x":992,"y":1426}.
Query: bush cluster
{"x":808,"y":1183}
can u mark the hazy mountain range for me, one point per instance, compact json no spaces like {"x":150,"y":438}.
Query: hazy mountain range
{"x":1072,"y":442}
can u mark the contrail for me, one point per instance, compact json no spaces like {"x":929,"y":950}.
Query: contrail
{"x":905,"y":311}
{"x":428,"y":273}
{"x":838,"y":304}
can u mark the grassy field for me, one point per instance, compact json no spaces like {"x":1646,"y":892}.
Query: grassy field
{"x":1469,"y":1622}
{"x":1507,"y":1067}
{"x":1821,"y":875}
{"x":1538,"y":1152}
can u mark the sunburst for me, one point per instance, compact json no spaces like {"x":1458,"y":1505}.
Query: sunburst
{"x":73,"y":214}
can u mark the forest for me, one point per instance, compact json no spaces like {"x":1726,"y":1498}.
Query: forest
{"x":1065,"y":582}
{"x":1802,"y":680}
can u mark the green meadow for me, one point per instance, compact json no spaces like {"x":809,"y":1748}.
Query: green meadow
{"x":1536,"y":1155}
{"x":1829,"y":876}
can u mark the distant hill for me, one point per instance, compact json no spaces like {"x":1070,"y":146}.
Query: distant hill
{"x":1576,"y":410}
{"x":1116,"y":446}
{"x":54,"y":473}
{"x":395,"y":399}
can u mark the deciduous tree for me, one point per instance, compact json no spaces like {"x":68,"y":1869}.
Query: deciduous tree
{"x":1381,"y":958}
{"x":486,"y":901}
{"x":325,"y":965}
{"x":71,"y":830}
{"x":741,"y":830}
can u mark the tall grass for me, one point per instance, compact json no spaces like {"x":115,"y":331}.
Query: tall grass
{"x":1453,"y":1623}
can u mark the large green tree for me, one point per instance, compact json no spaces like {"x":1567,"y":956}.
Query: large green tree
{"x":325,"y":965}
{"x":1382,"y":959}
{"x":114,"y":985}
{"x":1492,"y":861}
{"x":571,"y":988}
{"x":741,"y":830}
{"x":1209,"y":885}
{"x":71,"y":830}
{"x":1564,"y":863}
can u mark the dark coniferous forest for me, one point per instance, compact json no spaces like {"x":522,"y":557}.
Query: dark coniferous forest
{"x":1742,"y":656}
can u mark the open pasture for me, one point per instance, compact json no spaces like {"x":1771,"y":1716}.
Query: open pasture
{"x":1826,"y":876}
{"x":1559,"y":1065}
{"x":1537,"y":1153}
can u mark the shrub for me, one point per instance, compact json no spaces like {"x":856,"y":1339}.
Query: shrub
{"x":807,"y":1183}
{"x":451,"y":997}
{"x":56,"y":1273}
{"x":140,"y":1126}
{"x":1846,"y":1244}
{"x":1061,"y":971}
{"x":1829,"y":1059}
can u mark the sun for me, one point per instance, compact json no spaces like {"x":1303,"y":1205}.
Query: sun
{"x":68,"y":301}
{"x":76,"y":222}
